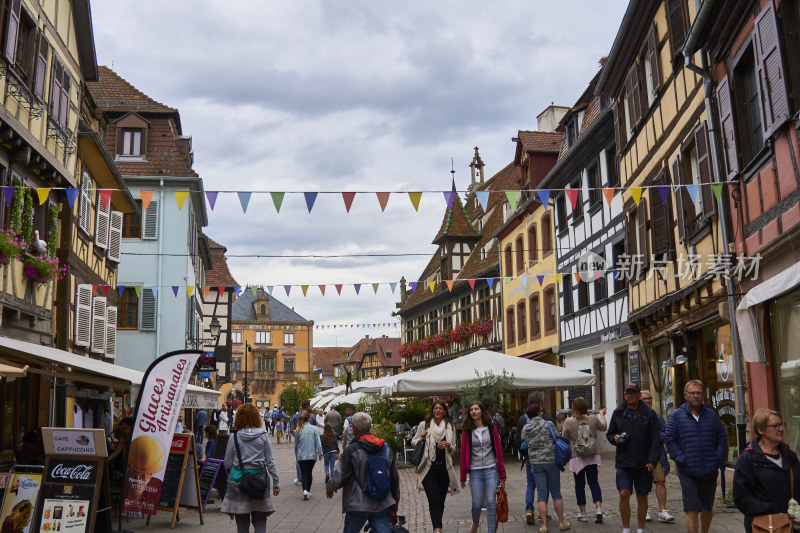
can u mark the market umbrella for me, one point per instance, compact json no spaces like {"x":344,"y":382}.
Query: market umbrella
{"x":379,"y":385}
{"x":450,"y":377}
{"x":353,"y":398}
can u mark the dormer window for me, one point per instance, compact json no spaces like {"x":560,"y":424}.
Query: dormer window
{"x":132,"y":137}
{"x":131,"y":141}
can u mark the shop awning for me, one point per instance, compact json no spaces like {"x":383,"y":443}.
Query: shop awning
{"x":536,"y":355}
{"x":53,"y":362}
{"x":750,"y":315}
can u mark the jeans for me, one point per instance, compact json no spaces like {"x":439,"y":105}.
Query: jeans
{"x":379,"y":522}
{"x":548,"y":480}
{"x":531,"y":488}
{"x":330,"y":463}
{"x":436,"y":484}
{"x":299,"y":471}
{"x":307,"y":467}
{"x":488,"y":479}
{"x":588,"y":474}
{"x":259,"y":522}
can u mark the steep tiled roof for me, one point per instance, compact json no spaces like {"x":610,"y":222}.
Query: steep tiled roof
{"x":326,"y":356}
{"x":540,"y":141}
{"x":381,"y":346}
{"x":456,"y":223}
{"x":114,"y":93}
{"x":164,"y":155}
{"x":242,"y":309}
{"x":219,"y":275}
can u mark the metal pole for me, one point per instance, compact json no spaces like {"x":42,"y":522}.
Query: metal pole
{"x":245,"y":388}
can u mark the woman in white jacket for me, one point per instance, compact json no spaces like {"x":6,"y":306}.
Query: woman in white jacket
{"x":224,"y":423}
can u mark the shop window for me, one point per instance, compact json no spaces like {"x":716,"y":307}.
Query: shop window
{"x":715,"y":357}
{"x":784,"y":316}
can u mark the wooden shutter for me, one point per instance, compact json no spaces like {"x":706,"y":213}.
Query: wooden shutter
{"x":64,"y":114}
{"x":619,"y":125}
{"x":101,"y":227}
{"x":150,"y":221}
{"x":114,"y":235}
{"x":679,"y":198}
{"x":633,"y":95}
{"x":704,"y":164}
{"x":85,"y":203}
{"x":644,"y":242}
{"x":655,"y":64}
{"x":148,"y":314}
{"x":677,"y":27}
{"x":12,"y":31}
{"x":98,"y":325}
{"x":728,"y":127}
{"x":774,"y":100}
{"x":661,"y":221}
{"x":111,"y":332}
{"x":83,"y":315}
{"x":55,"y":91}
{"x":41,"y":66}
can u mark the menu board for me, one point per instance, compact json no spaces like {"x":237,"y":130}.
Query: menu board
{"x":69,"y":495}
{"x":212,"y":469}
{"x":181,"y":487}
{"x":19,"y":501}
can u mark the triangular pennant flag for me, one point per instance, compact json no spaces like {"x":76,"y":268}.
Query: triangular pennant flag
{"x":270,"y":288}
{"x":636,"y":192}
{"x":189,"y":290}
{"x":513,"y":198}
{"x":94,"y":289}
{"x":322,"y":289}
{"x":540,"y":279}
{"x":138,"y":290}
{"x":449,"y":284}
{"x":357,"y":287}
{"x":507,"y":280}
{"x":523,"y":280}
{"x":146,"y":196}
{"x":221,"y":290}
{"x":180,"y":198}
{"x":121,"y":289}
{"x":692,"y":190}
{"x":254,"y":290}
{"x":449,"y":196}
{"x":8,"y":194}
{"x":211,"y":196}
{"x":415,"y":197}
{"x":431,"y":285}
{"x":663,"y":190}
{"x":490,"y":281}
{"x":72,"y":194}
{"x":244,"y":199}
{"x":558,"y":278}
{"x":393,"y":286}
{"x":483,"y":198}
{"x":577,"y":277}
{"x":175,"y":290}
{"x":311,"y":197}
{"x":154,"y":290}
{"x":348,"y":199}
{"x":105,"y":290}
{"x":383,"y":199}
{"x":616,"y":273}
{"x":413,"y":286}
{"x":572,"y":194}
{"x":237,"y":289}
{"x":287,"y":288}
{"x":375,"y":287}
{"x":277,"y":200}
{"x":717,"y":188}
{"x":44,"y":193}
{"x":544,"y":197}
{"x":304,"y":288}
{"x":206,"y":290}
{"x":471,"y":284}
{"x":609,"y":194}
{"x":338,"y":288}
{"x":105,"y":197}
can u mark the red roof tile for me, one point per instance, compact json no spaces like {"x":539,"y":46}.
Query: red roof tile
{"x":456,"y":224}
{"x":219,"y":275}
{"x":326,"y":356}
{"x":540,"y":141}
{"x":114,"y":93}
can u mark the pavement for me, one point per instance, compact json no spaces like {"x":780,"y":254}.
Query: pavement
{"x":323,"y":515}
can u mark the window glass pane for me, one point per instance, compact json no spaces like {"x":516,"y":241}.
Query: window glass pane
{"x":785,"y":317}
{"x":137,"y":143}
{"x":126,"y":143}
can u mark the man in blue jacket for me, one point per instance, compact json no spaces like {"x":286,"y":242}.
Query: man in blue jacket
{"x":697,"y":442}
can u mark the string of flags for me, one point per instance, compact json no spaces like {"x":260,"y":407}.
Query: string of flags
{"x":362,"y":326}
{"x":513,"y":196}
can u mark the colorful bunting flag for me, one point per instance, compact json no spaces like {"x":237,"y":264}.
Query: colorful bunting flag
{"x":105,"y":290}
{"x":523,"y":280}
{"x":72,"y":194}
{"x":413,"y":286}
{"x":348,"y":199}
{"x":577,"y":277}
{"x":513,"y":199}
{"x":338,"y":288}
{"x":483,"y":198}
{"x":692,"y":190}
{"x":717,"y":188}
{"x":244,"y":199}
{"x":449,"y":196}
{"x":375,"y":287}
{"x":44,"y":193}
{"x":322,"y":289}
{"x":120,"y":290}
{"x":357,"y":287}
{"x":180,"y":198}
{"x":174,"y":290}
{"x":277,"y":200}
{"x":311,"y":197}
{"x":544,"y":197}
{"x":558,"y":278}
{"x":287,"y":288}
{"x":471,"y":284}
{"x":636,"y":193}
{"x":540,"y":279}
{"x":238,"y":288}
{"x":211,"y":197}
{"x":415,"y":197}
{"x":393,"y":286}
{"x":146,"y":196}
{"x":105,"y":197}
{"x":383,"y":199}
{"x":8,"y":194}
{"x":431,"y":285}
{"x":572,"y":194}
{"x":206,"y":290}
{"x":189,"y":290}
{"x":221,"y":290}
{"x":490,"y":281}
{"x":304,"y":288}
{"x":254,"y":290}
{"x":609,"y":194}
{"x":663,"y":190}
{"x":154,"y":290}
{"x":138,"y":290}
{"x":449,"y":284}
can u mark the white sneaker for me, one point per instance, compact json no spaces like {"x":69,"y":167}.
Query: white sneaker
{"x":306,"y":495}
{"x":297,"y":482}
{"x":664,"y":516}
{"x":582,"y":518}
{"x":648,"y":518}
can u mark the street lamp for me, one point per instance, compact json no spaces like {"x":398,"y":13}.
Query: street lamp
{"x":245,"y":388}
{"x":214,"y":328}
{"x":294,"y":387}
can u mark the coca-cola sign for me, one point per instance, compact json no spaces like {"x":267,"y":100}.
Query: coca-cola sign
{"x":66,"y":471}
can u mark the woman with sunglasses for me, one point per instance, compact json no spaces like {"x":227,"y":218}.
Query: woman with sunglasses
{"x":762,"y":481}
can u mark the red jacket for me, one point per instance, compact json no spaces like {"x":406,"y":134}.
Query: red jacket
{"x":466,"y":444}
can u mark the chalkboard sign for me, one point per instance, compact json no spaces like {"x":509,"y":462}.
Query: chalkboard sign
{"x":173,"y":476}
{"x":208,"y":477}
{"x":181,"y":484}
{"x":633,"y":368}
{"x":221,"y":447}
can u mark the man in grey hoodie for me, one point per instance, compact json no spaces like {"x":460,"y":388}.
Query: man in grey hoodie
{"x":350,"y":473}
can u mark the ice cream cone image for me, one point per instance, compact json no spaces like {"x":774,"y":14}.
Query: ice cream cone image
{"x":146,"y":457}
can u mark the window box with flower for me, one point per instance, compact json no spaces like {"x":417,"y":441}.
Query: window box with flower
{"x":11,"y":245}
{"x":41,"y":269}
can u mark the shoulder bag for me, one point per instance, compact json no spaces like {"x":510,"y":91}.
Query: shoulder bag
{"x":250,"y":484}
{"x":419,"y":450}
{"x":502,"y":504}
{"x":775,"y":522}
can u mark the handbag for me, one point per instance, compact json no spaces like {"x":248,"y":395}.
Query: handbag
{"x":502,"y":504}
{"x":250,"y":484}
{"x":775,"y":522}
{"x":419,"y":453}
{"x":562,"y":450}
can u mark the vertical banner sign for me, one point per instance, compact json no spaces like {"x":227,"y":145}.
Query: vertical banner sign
{"x":157,"y":410}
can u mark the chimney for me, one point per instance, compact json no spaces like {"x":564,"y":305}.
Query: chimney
{"x":549,"y":119}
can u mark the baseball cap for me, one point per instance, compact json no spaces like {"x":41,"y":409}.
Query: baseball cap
{"x":632,"y":386}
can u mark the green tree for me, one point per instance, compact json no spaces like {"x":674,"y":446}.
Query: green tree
{"x":488,"y":385}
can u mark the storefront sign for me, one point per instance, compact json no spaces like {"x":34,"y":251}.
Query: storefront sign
{"x":157,"y":411}
{"x":68,"y":471}
{"x":207,"y":362}
{"x":66,"y":441}
{"x":633,"y":368}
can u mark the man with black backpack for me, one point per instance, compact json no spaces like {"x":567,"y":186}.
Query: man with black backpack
{"x":367,"y":472}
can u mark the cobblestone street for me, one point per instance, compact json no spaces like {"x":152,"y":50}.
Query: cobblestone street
{"x":323,"y":515}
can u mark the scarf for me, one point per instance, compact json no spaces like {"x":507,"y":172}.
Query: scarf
{"x":436,"y":432}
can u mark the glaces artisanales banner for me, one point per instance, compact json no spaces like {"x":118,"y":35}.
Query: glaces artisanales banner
{"x":157,"y":410}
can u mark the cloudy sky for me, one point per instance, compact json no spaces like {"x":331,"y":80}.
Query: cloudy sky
{"x":358,"y":95}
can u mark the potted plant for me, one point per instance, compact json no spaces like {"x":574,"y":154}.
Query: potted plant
{"x":11,"y":245}
{"x":41,"y":269}
{"x":482,"y":327}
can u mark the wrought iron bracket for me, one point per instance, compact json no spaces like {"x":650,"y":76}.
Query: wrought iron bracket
{"x":60,"y":137}
{"x":21,"y":94}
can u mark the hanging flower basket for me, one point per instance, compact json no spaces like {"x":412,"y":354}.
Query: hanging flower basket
{"x":41,"y":269}
{"x":482,"y":327}
{"x":31,"y":271}
{"x":11,"y":245}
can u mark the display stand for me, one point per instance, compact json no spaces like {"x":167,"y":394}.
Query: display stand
{"x":22,"y":487}
{"x":181,"y":486}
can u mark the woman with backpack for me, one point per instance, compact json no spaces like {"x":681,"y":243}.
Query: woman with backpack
{"x":307,"y":449}
{"x":435,"y":473}
{"x":581,"y":430}
{"x":482,"y":456}
{"x":539,"y":434}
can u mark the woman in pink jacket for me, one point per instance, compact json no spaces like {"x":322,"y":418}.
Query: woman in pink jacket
{"x":482,"y":456}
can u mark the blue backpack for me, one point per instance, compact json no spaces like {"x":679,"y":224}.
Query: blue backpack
{"x":378,"y":479}
{"x":563,"y":451}
{"x":524,"y":445}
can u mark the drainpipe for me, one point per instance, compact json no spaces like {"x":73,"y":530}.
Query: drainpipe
{"x":159,"y":234}
{"x":716,"y":159}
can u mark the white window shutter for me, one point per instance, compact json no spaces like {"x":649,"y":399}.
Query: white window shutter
{"x":111,"y":332}
{"x":115,"y":236}
{"x":101,"y":228}
{"x":83,"y":315}
{"x":99,"y":325}
{"x":150,"y":221}
{"x":148,"y":314}
{"x":85,"y":203}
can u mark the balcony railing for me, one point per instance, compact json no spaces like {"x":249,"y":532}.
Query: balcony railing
{"x":453,"y":350}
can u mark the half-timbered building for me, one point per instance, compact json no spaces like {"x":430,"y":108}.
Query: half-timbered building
{"x":219,"y":294}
